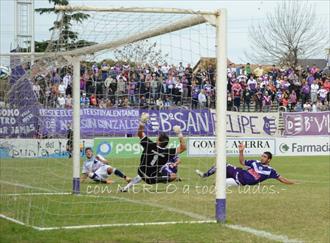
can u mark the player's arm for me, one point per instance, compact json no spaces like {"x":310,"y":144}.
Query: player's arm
{"x":182,"y":146}
{"x":83,"y":177}
{"x":102,"y":159}
{"x":177,"y":162}
{"x":241,"y":148}
{"x":143,"y":120}
{"x":285,"y":180}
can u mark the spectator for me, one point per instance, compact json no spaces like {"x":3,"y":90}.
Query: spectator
{"x":36,"y":89}
{"x":62,"y":88}
{"x":307,"y":106}
{"x":236,"y":94}
{"x":68,"y":102}
{"x":154,"y":87}
{"x":314,"y":90}
{"x":67,"y":80}
{"x":104,"y":70}
{"x":159,"y":104}
{"x":259,"y":71}
{"x":93,"y":101}
{"x":266,"y":102}
{"x":292,"y":100}
{"x":246,"y":99}
{"x":84,"y":101}
{"x":252,"y":85}
{"x":178,"y":90}
{"x":305,"y":91}
{"x":322,"y":94}
{"x":202,"y":99}
{"x":258,"y":101}
{"x":61,"y":101}
{"x":247,"y":70}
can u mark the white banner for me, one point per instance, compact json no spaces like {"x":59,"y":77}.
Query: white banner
{"x":309,"y":146}
{"x":205,"y":146}
{"x":37,"y":148}
{"x":251,"y":124}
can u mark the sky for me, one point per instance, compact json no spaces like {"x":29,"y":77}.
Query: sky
{"x":241,"y":15}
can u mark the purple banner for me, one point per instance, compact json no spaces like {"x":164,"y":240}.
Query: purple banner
{"x":107,"y":122}
{"x":192,"y":122}
{"x":307,"y":123}
{"x":18,"y":123}
{"x":93,"y":122}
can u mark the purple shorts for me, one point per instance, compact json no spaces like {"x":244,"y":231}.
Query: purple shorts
{"x":234,"y":172}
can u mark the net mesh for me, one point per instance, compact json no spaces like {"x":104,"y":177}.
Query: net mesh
{"x":161,"y":75}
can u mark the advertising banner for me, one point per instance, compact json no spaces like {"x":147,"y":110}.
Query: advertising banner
{"x":205,"y":146}
{"x":306,"y":146}
{"x":38,"y":148}
{"x":251,"y":124}
{"x":306,"y":123}
{"x":125,"y":147}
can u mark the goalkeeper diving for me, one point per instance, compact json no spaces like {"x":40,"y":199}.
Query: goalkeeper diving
{"x":158,"y":164}
{"x":98,"y":169}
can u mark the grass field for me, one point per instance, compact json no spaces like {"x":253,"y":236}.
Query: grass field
{"x":30,"y":187}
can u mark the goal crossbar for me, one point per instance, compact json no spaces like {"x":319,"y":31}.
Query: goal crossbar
{"x":179,"y":25}
{"x":72,"y":8}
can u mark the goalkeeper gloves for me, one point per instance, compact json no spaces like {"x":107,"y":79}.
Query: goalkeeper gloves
{"x":144,"y":118}
{"x":177,"y":131}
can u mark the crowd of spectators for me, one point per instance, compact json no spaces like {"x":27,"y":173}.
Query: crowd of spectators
{"x":169,"y":86}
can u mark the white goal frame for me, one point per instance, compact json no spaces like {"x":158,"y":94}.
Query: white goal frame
{"x":216,"y":18}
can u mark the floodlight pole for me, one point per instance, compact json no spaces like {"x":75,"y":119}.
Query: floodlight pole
{"x":76,"y":124}
{"x":221,"y":108}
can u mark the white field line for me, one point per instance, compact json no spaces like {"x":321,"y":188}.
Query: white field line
{"x":201,"y":219}
{"x":263,"y":234}
{"x":36,"y":194}
{"x":24,"y":186}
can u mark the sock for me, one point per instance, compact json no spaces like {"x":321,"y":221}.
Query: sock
{"x":210,"y":172}
{"x":134,"y":181}
{"x":119,"y":173}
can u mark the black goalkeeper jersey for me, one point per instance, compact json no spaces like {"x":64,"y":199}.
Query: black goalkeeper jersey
{"x":152,"y":159}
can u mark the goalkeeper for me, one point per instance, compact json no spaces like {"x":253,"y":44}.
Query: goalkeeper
{"x":155,"y":156}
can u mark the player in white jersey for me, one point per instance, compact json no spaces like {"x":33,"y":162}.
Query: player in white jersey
{"x":98,"y":169}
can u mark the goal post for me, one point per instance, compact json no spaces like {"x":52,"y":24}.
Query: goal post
{"x":221,"y":109}
{"x":81,"y":56}
{"x":221,"y":81}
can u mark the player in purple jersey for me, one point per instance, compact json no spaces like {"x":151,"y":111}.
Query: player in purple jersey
{"x":256,"y":171}
{"x":170,"y":169}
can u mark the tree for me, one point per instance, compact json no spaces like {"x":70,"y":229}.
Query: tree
{"x":66,"y":39}
{"x":141,"y":52}
{"x":290,"y":32}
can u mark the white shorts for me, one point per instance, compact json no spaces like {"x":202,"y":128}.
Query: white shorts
{"x":102,"y":173}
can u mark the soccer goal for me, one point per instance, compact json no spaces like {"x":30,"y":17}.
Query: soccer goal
{"x":89,"y":89}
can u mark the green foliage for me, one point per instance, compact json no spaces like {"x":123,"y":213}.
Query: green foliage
{"x":67,"y":39}
{"x":142,"y":52}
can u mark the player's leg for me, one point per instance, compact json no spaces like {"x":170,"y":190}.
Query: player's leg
{"x":118,"y":173}
{"x":231,"y":182}
{"x":208,"y":173}
{"x":101,"y":174}
{"x":135,"y":180}
{"x":168,"y":173}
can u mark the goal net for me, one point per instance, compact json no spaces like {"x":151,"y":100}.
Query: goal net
{"x":125,"y":62}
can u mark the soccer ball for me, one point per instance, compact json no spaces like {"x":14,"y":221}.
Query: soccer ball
{"x":4,"y":72}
